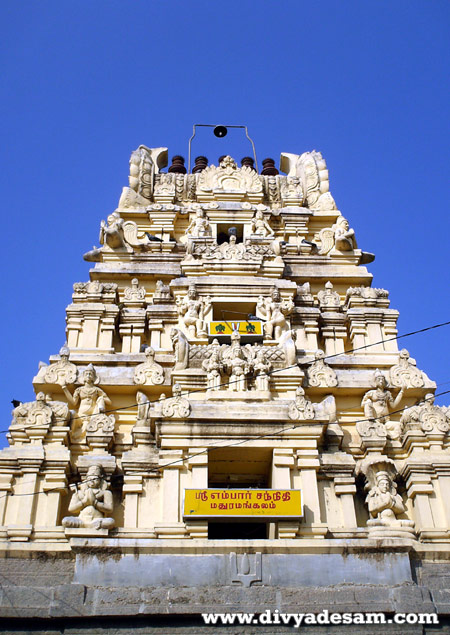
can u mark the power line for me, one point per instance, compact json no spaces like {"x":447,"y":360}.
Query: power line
{"x":227,"y":383}
{"x":234,"y":444}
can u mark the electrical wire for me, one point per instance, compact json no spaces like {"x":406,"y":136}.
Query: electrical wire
{"x":227,"y":383}
{"x":229,"y":445}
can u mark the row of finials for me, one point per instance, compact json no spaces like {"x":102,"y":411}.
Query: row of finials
{"x":201,"y":163}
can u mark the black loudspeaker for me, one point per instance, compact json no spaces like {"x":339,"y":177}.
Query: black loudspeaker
{"x":220,"y":131}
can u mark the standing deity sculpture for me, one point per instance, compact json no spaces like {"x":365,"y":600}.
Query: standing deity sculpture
{"x":89,"y":398}
{"x":149,"y":372}
{"x":181,"y":348}
{"x":275,"y":310}
{"x":262,"y":368}
{"x":260,"y":227}
{"x":92,"y":501}
{"x":405,"y":372}
{"x":213,"y":367}
{"x":199,"y":226}
{"x":192,"y":311}
{"x":238,"y":367}
{"x":379,"y":402}
{"x":63,"y":372}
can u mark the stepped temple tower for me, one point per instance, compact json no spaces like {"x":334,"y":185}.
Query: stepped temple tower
{"x":230,"y":424}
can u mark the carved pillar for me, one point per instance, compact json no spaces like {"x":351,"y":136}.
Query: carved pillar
{"x":132,"y":330}
{"x":107,"y":328}
{"x":442,"y":468}
{"x":389,"y":328}
{"x":171,"y":526}
{"x":198,"y":464}
{"x":55,"y":486}
{"x":27,"y":486}
{"x":374,"y":318}
{"x":132,"y":489}
{"x":417,"y":477}
{"x":283,"y":461}
{"x":308,"y":329}
{"x":357,"y":329}
{"x":308,"y":465}
{"x":156,"y":328}
{"x":74,"y":326}
{"x":5,"y":489}
{"x":340,"y":467}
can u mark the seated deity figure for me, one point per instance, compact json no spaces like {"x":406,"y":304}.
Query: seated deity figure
{"x":89,"y":398}
{"x":275,"y":311}
{"x":344,"y":236}
{"x":192,"y":312}
{"x":111,"y":232}
{"x":213,"y":367}
{"x":199,"y":226}
{"x":92,"y":500}
{"x":262,"y":367}
{"x":239,"y":368}
{"x":385,"y":504}
{"x":260,"y":227}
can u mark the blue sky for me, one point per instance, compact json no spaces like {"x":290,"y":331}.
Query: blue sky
{"x":84,"y":83}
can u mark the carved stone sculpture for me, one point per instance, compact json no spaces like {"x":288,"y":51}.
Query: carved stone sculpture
{"x":329,"y":299}
{"x":275,"y":311}
{"x":181,"y":348}
{"x":213,"y":367}
{"x":135,"y":293}
{"x":238,"y":368}
{"x":192,"y":311}
{"x":143,"y":409}
{"x":229,"y":177}
{"x":426,"y":417}
{"x":63,"y":372}
{"x":405,"y":373}
{"x":383,"y":501}
{"x":261,"y":368}
{"x":162,"y":293}
{"x":177,"y":406}
{"x":311,"y":168}
{"x":89,"y":399}
{"x":40,"y":413}
{"x":378,"y":403}
{"x":301,"y":408}
{"x":119,"y":234}
{"x":199,"y":226}
{"x":149,"y":372}
{"x":260,"y":227}
{"x":92,"y":501}
{"x":320,"y":374}
{"x":144,"y":164}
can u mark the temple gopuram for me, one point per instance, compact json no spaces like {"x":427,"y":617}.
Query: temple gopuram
{"x":230,"y":425}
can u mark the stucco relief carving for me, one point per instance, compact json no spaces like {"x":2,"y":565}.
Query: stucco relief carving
{"x":92,"y":501}
{"x":275,"y":310}
{"x":176,"y":407}
{"x":199,"y":226}
{"x":405,"y":373}
{"x":88,"y":400}
{"x":378,"y":403}
{"x":181,"y":348}
{"x":426,"y":417}
{"x":40,"y":414}
{"x":192,"y":311}
{"x":301,"y":408}
{"x":63,"y":372}
{"x":231,"y":250}
{"x":143,"y":409}
{"x":149,"y":372}
{"x":229,"y":177}
{"x":384,"y":503}
{"x":162,"y":293}
{"x":339,"y":237}
{"x":134,"y":293}
{"x":261,"y":369}
{"x":260,"y":227}
{"x":214,"y":368}
{"x":320,"y":374}
{"x":119,"y":234}
{"x":311,"y":168}
{"x":329,"y":299}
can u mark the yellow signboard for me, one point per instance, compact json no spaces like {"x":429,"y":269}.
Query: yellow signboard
{"x":244,"y":328}
{"x":242,"y":503}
